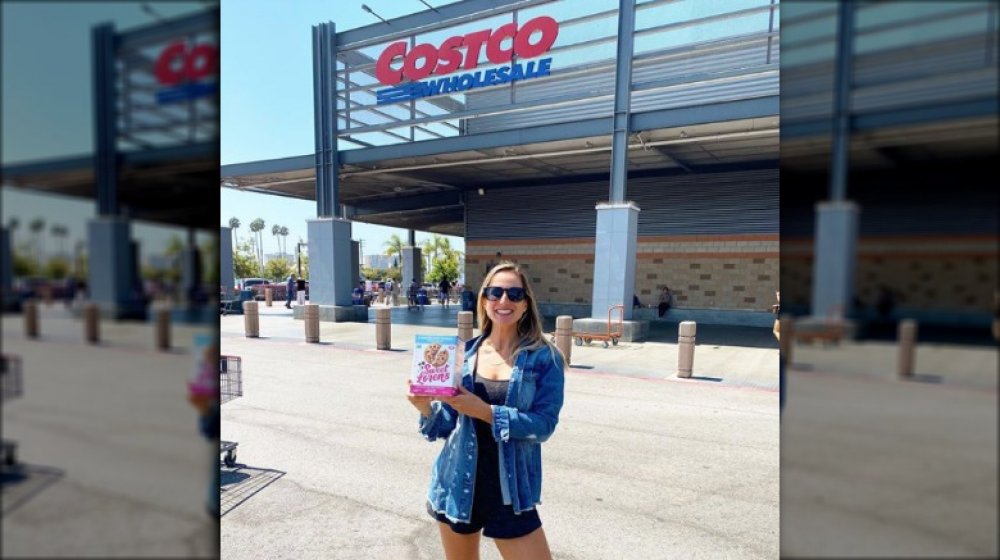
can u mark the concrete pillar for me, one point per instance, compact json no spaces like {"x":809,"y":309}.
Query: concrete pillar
{"x":227,"y":275}
{"x":267,"y":296}
{"x":110,"y":267}
{"x":31,"y":318}
{"x":412,"y":266}
{"x":786,"y":342}
{"x":310,"y":312}
{"x":564,"y":335}
{"x":834,"y":259}
{"x":685,"y":348}
{"x":162,"y":312}
{"x":330,"y":276}
{"x":383,"y":328}
{"x":614,"y":258}
{"x":465,"y":325}
{"x":251,"y":319}
{"x":907,"y":337}
{"x":190,"y":272}
{"x":92,"y":323}
{"x":7,"y":268}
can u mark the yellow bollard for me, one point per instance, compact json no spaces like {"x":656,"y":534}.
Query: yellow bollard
{"x":163,"y":327}
{"x":465,"y":325}
{"x":310,"y":312}
{"x":907,"y":348}
{"x":31,"y":318}
{"x":267,"y":296}
{"x":251,"y":319}
{"x":383,"y":328}
{"x":92,"y":323}
{"x":685,"y":348}
{"x":564,"y":335}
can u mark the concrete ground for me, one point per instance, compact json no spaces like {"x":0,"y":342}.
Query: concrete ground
{"x":873,"y":465}
{"x":112,"y":462}
{"x":642,"y":465}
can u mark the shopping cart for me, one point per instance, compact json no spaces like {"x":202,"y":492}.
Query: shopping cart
{"x":230,"y":387}
{"x":13,"y":386}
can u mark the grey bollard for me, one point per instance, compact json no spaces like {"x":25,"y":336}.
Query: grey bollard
{"x":907,"y":347}
{"x":267,"y":296}
{"x":31,"y":318}
{"x":163,"y":327}
{"x":92,"y":323}
{"x":465,"y":325}
{"x":685,"y":348}
{"x":564,"y":336}
{"x":787,"y":334}
{"x":383,"y":328}
{"x":251,"y":319}
{"x":310,"y":312}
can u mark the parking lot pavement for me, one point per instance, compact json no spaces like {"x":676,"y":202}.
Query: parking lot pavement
{"x":111,"y":460}
{"x":642,"y":465}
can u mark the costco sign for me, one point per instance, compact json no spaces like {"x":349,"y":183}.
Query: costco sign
{"x":397,"y":62}
{"x":186,"y":72}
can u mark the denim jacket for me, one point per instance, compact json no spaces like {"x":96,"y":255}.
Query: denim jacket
{"x":527,"y":418}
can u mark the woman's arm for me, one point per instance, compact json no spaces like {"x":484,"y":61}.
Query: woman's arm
{"x":540,"y":421}
{"x":440,"y":423}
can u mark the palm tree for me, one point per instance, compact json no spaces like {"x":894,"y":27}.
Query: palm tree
{"x":60,"y":232}
{"x":284,"y":235}
{"x":394,"y":246}
{"x":276,"y":231}
{"x":234,"y":224}
{"x":37,"y":226}
{"x":14,"y":223}
{"x":257,"y":226}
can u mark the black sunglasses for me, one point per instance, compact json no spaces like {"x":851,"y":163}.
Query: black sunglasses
{"x":494,"y":293}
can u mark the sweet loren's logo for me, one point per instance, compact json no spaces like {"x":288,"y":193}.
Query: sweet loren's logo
{"x":186,"y":72}
{"x":425,"y":60}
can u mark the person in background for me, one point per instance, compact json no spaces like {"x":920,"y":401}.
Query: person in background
{"x":776,"y":329}
{"x":443,"y":288}
{"x":666,"y":300}
{"x":289,"y":290}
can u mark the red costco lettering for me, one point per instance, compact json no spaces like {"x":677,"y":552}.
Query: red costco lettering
{"x":426,"y":59}
{"x":177,"y":63}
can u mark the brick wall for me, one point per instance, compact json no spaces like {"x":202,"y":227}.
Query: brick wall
{"x":956,"y":272}
{"x":730,"y":272}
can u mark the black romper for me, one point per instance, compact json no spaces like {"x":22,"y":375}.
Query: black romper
{"x":489,"y":514}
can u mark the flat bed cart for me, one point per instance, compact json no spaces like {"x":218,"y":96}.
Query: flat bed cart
{"x":614,"y":331}
{"x":230,"y":387}
{"x":12,"y":383}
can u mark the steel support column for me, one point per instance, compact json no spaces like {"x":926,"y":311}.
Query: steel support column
{"x":842,"y":101}
{"x":325,"y":120}
{"x":623,"y":100}
{"x":105,"y":149}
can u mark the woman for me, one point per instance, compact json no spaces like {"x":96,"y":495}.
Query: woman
{"x":666,"y":298}
{"x":488,"y":477}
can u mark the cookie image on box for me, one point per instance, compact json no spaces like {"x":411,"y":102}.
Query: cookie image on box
{"x":437,"y":365}
{"x":430,"y":351}
{"x":441,"y":358}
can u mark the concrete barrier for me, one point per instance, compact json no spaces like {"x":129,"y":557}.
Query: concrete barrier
{"x":162,"y":327}
{"x":685,"y":348}
{"x":465,"y":325}
{"x":564,"y":336}
{"x":907,"y":336}
{"x":787,"y":334}
{"x":267,"y":296}
{"x":31,"y":318}
{"x":310,"y":312}
{"x":383,"y":328}
{"x":92,"y":323}
{"x":251,"y":319}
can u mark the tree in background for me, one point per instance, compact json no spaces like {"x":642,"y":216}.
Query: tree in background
{"x":394,"y":247}
{"x":445,"y":266}
{"x":234,"y":224}
{"x":277,"y":270}
{"x":60,"y":232}
{"x":210,"y":261}
{"x":37,"y":226}
{"x":57,"y":268}
{"x":276,"y":231}
{"x":257,"y":226}
{"x":284,"y":238}
{"x":244,"y":264}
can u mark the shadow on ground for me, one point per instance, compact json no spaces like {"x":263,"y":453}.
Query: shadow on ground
{"x":239,"y":484}
{"x":23,"y":482}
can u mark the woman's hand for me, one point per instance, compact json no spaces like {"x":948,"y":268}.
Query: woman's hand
{"x":421,"y":403}
{"x":470,"y":405}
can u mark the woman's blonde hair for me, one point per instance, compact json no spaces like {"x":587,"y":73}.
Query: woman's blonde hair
{"x":529,"y":327}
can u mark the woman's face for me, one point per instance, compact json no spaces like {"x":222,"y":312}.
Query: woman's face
{"x":504,"y":312}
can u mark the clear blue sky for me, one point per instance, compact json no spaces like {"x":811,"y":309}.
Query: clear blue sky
{"x":267,"y":104}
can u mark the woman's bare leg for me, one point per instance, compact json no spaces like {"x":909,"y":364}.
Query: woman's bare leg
{"x":458,"y":546}
{"x":532,"y":546}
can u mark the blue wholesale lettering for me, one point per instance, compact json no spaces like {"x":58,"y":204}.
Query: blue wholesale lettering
{"x":453,"y":84}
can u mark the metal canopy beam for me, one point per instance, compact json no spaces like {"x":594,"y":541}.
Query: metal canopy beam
{"x":207,"y":20}
{"x":918,"y":115}
{"x":623,"y":101}
{"x":325,"y":121}
{"x":403,"y":203}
